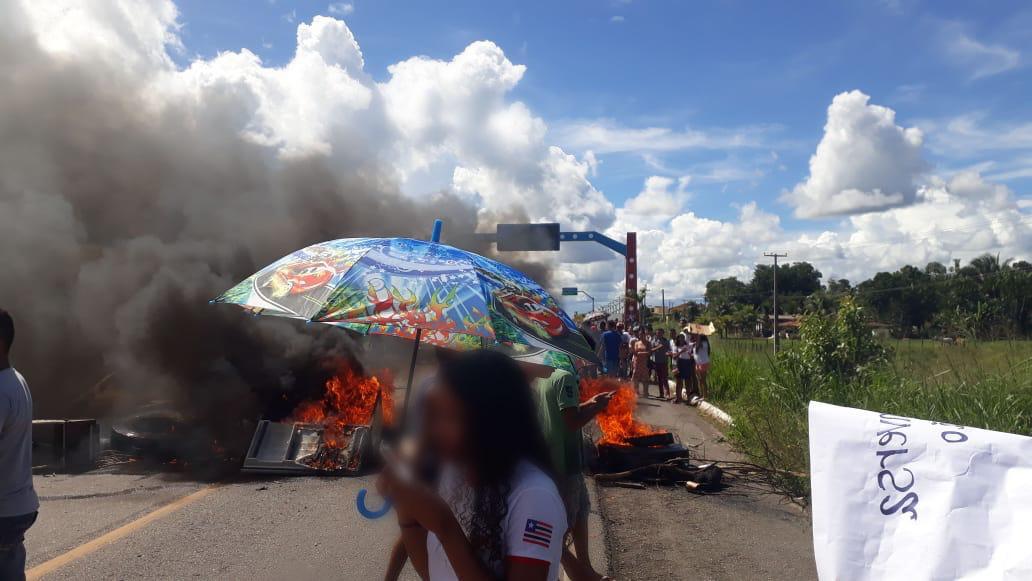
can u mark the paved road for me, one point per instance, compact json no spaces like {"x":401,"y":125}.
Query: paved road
{"x":119,"y":526}
{"x":296,"y":528}
{"x":668,"y":533}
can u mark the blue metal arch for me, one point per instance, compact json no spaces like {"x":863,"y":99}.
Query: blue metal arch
{"x":593,"y":236}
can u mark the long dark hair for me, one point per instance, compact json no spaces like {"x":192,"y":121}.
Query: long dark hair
{"x":503,"y":430}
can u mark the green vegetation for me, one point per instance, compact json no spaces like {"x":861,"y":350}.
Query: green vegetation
{"x":988,"y":298}
{"x":837,"y":360}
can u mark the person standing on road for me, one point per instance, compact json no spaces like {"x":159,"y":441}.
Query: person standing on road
{"x":640,"y":353}
{"x":661,"y":362}
{"x":682,"y":355}
{"x":496,"y":512}
{"x":625,"y":351}
{"x":18,"y":502}
{"x":702,"y":363}
{"x":611,"y":343}
{"x":562,"y":417}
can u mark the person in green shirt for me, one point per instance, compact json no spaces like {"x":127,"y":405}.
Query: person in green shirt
{"x":563,"y":416}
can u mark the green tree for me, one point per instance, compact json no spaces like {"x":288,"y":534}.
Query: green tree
{"x":904,"y":299}
{"x":724,"y":294}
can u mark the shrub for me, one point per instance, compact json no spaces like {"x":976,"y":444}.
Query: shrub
{"x":838,"y":361}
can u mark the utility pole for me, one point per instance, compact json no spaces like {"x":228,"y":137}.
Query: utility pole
{"x":775,"y":256}
{"x":662,"y":298}
{"x":590,"y":297}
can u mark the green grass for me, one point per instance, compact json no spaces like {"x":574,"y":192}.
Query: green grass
{"x":985,"y":385}
{"x":917,"y":358}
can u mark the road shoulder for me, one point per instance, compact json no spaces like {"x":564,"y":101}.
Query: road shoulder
{"x":669,"y":533}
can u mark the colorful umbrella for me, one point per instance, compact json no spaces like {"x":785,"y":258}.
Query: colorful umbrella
{"x":414,"y":289}
{"x":424,"y":291}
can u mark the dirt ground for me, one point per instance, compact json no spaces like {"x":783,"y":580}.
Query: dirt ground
{"x":737,"y":534}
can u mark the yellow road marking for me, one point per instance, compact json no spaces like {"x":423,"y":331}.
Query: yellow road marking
{"x":106,"y":539}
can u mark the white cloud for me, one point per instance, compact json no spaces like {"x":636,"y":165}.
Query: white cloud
{"x":322,"y":97}
{"x":980,"y":59}
{"x":971,"y":133}
{"x":864,"y":162}
{"x":341,"y":8}
{"x":454,"y":114}
{"x":616,"y":18}
{"x":132,"y":35}
{"x":608,"y":136}
{"x":655,"y":206}
{"x":959,"y":217}
{"x":453,"y":124}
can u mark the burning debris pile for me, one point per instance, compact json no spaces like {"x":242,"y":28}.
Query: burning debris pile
{"x":632,"y":453}
{"x":330,"y":434}
{"x":617,"y":421}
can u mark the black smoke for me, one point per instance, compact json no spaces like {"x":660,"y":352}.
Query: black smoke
{"x":120,"y":220}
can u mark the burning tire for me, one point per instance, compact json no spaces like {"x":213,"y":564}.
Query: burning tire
{"x":617,"y":458}
{"x":158,"y":433}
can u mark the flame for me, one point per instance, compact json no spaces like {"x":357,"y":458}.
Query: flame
{"x":349,"y":399}
{"x":617,"y":420}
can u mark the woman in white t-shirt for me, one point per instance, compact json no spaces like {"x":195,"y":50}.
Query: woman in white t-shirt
{"x":497,"y":513}
{"x":702,"y":362}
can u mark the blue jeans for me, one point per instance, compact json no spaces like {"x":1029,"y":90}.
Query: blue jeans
{"x":613,"y":367}
{"x":12,"y":545}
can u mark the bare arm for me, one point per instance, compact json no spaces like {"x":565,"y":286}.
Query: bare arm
{"x":414,"y":539}
{"x":577,"y":417}
{"x":397,"y":561}
{"x":420,"y":510}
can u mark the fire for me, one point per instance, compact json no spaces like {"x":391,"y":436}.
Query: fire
{"x":349,"y":399}
{"x":617,"y":420}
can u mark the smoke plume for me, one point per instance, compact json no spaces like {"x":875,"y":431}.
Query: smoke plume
{"x":123,"y":214}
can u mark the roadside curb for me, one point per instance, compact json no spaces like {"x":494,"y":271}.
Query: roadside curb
{"x":600,"y":546}
{"x":708,"y":409}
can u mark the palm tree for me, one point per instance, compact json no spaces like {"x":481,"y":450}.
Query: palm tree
{"x":987,"y":264}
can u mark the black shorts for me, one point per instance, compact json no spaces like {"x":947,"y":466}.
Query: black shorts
{"x":685,"y":368}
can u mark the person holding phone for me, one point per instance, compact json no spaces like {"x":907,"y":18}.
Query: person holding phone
{"x":496,"y":512}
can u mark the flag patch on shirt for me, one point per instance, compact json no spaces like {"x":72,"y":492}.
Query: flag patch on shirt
{"x":537,"y":533}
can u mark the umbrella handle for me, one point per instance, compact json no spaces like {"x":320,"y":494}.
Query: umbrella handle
{"x":360,"y":504}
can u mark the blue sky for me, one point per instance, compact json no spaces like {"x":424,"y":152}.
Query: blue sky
{"x":765,"y":69}
{"x":856,"y":135}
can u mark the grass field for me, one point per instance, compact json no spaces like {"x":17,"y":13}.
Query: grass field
{"x":915,"y":358}
{"x":984,"y":384}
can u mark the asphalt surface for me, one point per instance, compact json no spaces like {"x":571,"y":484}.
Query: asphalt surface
{"x":736,"y":534}
{"x":296,"y":528}
{"x":164,"y":526}
{"x":160,"y":525}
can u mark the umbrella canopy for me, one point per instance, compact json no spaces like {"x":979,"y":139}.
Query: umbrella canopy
{"x":398,"y":286}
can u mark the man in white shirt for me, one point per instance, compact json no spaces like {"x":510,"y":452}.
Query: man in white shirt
{"x":18,"y":502}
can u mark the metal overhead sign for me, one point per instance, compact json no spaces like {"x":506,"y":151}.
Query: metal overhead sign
{"x":527,"y":237}
{"x":547,"y":237}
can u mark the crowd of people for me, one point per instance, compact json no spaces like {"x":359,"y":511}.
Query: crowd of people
{"x":647,"y":356}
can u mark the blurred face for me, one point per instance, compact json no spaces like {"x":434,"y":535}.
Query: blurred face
{"x":446,"y":424}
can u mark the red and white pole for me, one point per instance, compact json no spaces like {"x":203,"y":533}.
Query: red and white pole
{"x":631,"y":293}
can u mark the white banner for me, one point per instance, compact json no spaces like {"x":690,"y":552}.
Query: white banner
{"x":899,"y":498}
